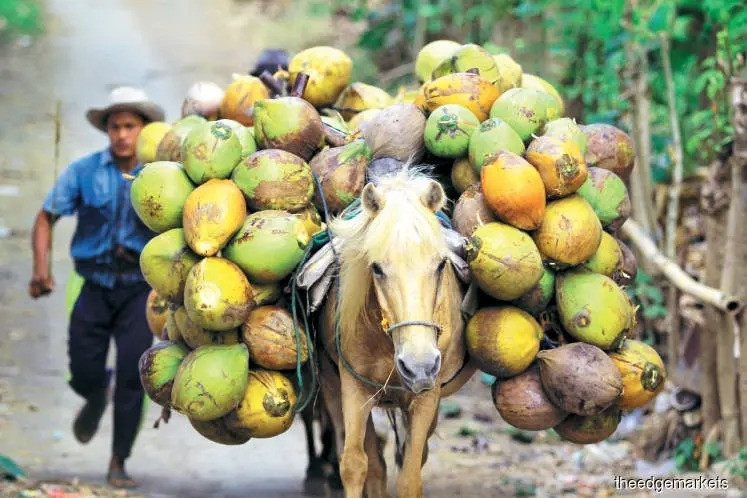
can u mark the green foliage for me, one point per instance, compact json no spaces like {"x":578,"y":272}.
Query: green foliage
{"x":737,"y":466}
{"x":19,"y":17}
{"x":644,"y":292}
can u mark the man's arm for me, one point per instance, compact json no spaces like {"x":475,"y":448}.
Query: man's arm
{"x":42,"y":282}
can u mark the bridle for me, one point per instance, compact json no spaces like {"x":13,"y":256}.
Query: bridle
{"x":389,"y":328}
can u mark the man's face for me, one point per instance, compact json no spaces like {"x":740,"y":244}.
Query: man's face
{"x":123,"y":128}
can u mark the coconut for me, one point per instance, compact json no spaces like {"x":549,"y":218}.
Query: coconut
{"x":509,"y":72}
{"x":579,"y":378}
{"x":195,"y":336}
{"x":156,"y":311}
{"x":217,"y":294}
{"x":466,"y":89}
{"x":532,"y":81}
{"x":589,"y":429}
{"x":536,"y":299}
{"x":521,"y":401}
{"x":341,"y":172}
{"x":204,"y":99}
{"x":431,"y":55}
{"x":397,"y":132}
{"x":560,"y":164}
{"x":245,"y":136}
{"x":269,"y":245}
{"x":290,"y":124}
{"x":213,"y":213}
{"x":629,"y":266}
{"x":148,"y":139}
{"x":642,"y":370}
{"x":502,"y":340}
{"x":270,"y":335}
{"x":609,"y":148}
{"x":210,"y":150}
{"x":504,"y":261}
{"x":158,"y":366}
{"x":170,"y":146}
{"x":593,"y":308}
{"x":239,"y":99}
{"x":608,"y":197}
{"x":172,"y":329}
{"x":311,"y":219}
{"x":158,"y":194}
{"x":513,"y":190}
{"x":211,"y":381}
{"x":354,"y":125}
{"x":493,"y":136}
{"x":570,"y":232}
{"x":329,"y":70}
{"x":448,"y":129}
{"x":217,"y":431}
{"x":275,"y":179}
{"x":608,"y":258}
{"x":463,"y":175}
{"x":524,"y":109}
{"x":566,"y":129}
{"x":266,"y":409}
{"x":165,"y":262}
{"x":266,"y":293}
{"x":466,"y":57}
{"x":358,"y":97}
{"x":471,"y":211}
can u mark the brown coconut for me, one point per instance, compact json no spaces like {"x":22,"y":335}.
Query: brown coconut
{"x":591,"y":428}
{"x":471,"y":211}
{"x":218,"y":432}
{"x":521,"y":401}
{"x":397,"y":131}
{"x":610,"y":148}
{"x":270,"y":335}
{"x":463,"y":175}
{"x":342,"y":173}
{"x":580,"y":378}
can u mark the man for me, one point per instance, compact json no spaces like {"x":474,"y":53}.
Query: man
{"x":105,"y":248}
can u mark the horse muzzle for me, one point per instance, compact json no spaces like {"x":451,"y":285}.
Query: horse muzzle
{"x":418,"y":374}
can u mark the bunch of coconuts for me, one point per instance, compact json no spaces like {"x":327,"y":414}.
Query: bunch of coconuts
{"x":538,"y":197}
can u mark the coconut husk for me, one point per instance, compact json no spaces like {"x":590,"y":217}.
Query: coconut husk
{"x":396,"y":132}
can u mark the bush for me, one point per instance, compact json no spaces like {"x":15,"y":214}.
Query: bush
{"x":19,"y":17}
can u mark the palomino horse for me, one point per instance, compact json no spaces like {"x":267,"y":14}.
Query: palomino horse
{"x":397,"y":312}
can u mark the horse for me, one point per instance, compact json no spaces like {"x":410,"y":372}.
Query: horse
{"x":391,"y":328}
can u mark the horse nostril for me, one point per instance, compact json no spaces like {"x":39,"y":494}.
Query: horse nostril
{"x":404,"y":370}
{"x":433,"y":371}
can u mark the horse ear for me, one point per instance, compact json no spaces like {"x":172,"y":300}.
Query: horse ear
{"x":371,"y":199}
{"x":434,"y":196}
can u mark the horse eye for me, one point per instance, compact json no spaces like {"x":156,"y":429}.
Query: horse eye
{"x":376,"y":268}
{"x":441,"y":266}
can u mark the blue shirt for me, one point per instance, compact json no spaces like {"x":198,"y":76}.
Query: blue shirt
{"x":94,"y":188}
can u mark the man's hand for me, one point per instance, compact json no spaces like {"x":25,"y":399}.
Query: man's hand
{"x":41,"y":284}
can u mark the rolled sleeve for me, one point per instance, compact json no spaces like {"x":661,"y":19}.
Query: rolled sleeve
{"x":64,"y":198}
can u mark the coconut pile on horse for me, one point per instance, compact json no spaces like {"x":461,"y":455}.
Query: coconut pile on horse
{"x":302,"y":179}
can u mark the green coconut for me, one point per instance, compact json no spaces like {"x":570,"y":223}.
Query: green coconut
{"x":245,"y":136}
{"x":195,"y":336}
{"x":165,"y":262}
{"x":466,"y":57}
{"x":158,"y":193}
{"x":593,"y":309}
{"x":342,"y":174}
{"x":170,"y":146}
{"x":448,"y":130}
{"x":431,"y":55}
{"x":158,"y":366}
{"x":275,"y":179}
{"x":608,"y":259}
{"x":503,"y":260}
{"x":524,"y":109}
{"x":269,"y":245}
{"x":217,"y":295}
{"x":290,"y":124}
{"x":211,"y":381}
{"x":492,"y":136}
{"x":536,"y":299}
{"x":608,"y":197}
{"x":566,"y":129}
{"x":211,"y":150}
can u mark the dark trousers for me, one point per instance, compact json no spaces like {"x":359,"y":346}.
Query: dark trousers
{"x":98,"y":315}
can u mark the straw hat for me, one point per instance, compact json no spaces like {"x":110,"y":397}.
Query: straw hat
{"x":125,"y":98}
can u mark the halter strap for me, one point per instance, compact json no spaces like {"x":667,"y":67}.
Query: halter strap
{"x":389,"y":328}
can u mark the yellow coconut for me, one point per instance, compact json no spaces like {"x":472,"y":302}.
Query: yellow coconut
{"x":329,"y":71}
{"x":213,"y":213}
{"x":431,"y":55}
{"x":148,"y":139}
{"x":241,"y":94}
{"x":267,"y":407}
{"x":642,"y":370}
{"x":466,"y":89}
{"x":509,"y":72}
{"x":359,"y":97}
{"x":156,"y":312}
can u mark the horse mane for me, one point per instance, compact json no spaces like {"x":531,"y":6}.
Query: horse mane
{"x":403,"y":227}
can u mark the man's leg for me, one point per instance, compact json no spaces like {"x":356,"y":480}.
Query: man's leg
{"x":88,"y":344}
{"x":132,"y":337}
